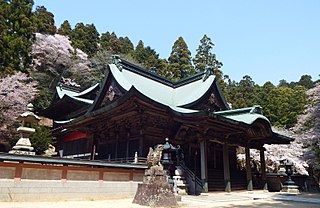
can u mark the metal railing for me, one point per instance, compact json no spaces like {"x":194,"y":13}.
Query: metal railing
{"x":195,"y":185}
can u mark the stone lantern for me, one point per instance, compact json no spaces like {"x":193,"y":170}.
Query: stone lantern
{"x":28,"y":118}
{"x":167,"y":154}
{"x":289,"y":185}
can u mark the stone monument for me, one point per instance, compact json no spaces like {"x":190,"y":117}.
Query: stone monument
{"x":155,"y":190}
{"x":23,"y":145}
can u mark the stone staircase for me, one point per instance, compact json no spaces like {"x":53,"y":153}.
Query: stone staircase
{"x":216,"y":180}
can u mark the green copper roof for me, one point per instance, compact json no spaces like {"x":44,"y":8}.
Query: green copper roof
{"x":61,"y":91}
{"x":174,"y":97}
{"x":245,"y":115}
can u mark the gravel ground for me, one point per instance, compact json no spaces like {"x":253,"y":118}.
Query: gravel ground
{"x":241,"y":200}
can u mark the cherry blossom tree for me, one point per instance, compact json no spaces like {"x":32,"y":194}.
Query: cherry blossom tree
{"x":16,"y":91}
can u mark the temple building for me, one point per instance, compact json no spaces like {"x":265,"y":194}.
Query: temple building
{"x":133,"y":109}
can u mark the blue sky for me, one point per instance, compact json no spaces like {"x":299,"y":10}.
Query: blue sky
{"x":268,"y":40}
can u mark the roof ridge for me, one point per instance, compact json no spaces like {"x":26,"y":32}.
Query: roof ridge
{"x":121,"y":63}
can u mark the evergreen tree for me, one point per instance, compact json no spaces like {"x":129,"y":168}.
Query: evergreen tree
{"x":105,"y":40}
{"x":245,"y":93}
{"x":283,"y":83}
{"x":44,"y":21}
{"x":41,"y":139}
{"x":306,"y":81}
{"x":111,"y":42}
{"x":148,"y":57}
{"x":283,"y":105}
{"x":16,"y":36}
{"x":179,"y":65}
{"x":3,"y":31}
{"x":205,"y":59}
{"x":85,"y":37}
{"x":126,"y":45}
{"x":138,"y":53}
{"x":65,"y":29}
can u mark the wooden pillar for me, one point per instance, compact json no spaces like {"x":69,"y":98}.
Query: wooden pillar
{"x":93,"y":147}
{"x":263,"y":169}
{"x":204,"y":164}
{"x":18,"y":172}
{"x":64,"y":173}
{"x":248,"y":170}
{"x":226,"y":167}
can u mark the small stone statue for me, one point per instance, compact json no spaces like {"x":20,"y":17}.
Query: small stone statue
{"x":154,"y":156}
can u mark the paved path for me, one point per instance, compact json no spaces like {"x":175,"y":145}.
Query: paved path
{"x":241,"y":199}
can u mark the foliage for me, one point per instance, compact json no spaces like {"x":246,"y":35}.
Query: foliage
{"x":147,"y":57}
{"x":65,"y":29}
{"x":16,"y":35}
{"x":110,"y":42}
{"x":126,"y":45}
{"x":281,"y":105}
{"x":44,"y":21}
{"x":243,"y":94}
{"x":85,"y":37}
{"x":41,"y":139}
{"x":16,"y":91}
{"x":179,"y":65}
{"x":205,"y":59}
{"x":306,"y":81}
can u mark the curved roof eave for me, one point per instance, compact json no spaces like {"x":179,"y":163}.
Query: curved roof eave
{"x":246,"y":115}
{"x":162,"y":93}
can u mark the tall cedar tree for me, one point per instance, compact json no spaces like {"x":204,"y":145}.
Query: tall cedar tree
{"x":65,"y":28}
{"x":206,"y":60}
{"x":179,"y":65}
{"x":85,"y":37}
{"x":44,"y":21}
{"x":16,"y":35}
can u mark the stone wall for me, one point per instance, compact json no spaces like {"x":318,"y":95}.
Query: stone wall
{"x":40,"y":182}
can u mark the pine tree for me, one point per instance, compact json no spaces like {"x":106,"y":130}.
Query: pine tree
{"x":179,"y":65}
{"x":65,"y":29}
{"x":17,"y":35}
{"x":44,"y":21}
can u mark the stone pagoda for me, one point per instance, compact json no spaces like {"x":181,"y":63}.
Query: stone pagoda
{"x":28,"y":118}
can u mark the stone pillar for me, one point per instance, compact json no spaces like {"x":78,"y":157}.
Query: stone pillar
{"x":248,"y":170}
{"x":204,"y":164}
{"x":226,"y":167}
{"x":263,"y":169}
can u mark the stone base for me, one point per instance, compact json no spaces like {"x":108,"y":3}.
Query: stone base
{"x":22,"y":152}
{"x":155,"y":190}
{"x":155,"y":195}
{"x":290,"y":189}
